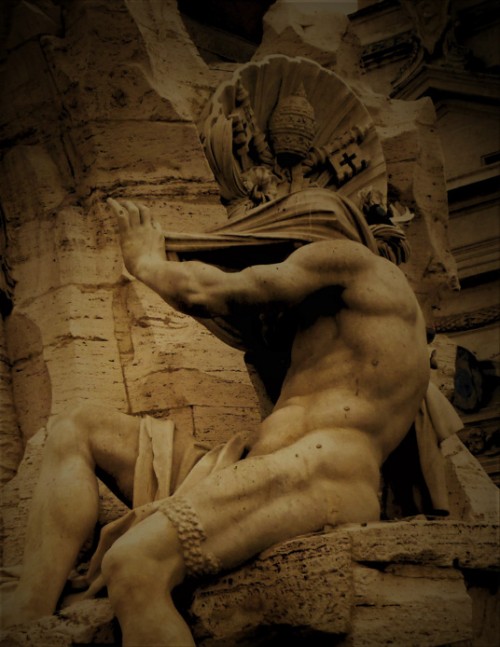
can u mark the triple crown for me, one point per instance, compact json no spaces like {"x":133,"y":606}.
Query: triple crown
{"x":292,"y":128}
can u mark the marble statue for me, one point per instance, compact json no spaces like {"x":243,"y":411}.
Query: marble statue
{"x":353,"y":377}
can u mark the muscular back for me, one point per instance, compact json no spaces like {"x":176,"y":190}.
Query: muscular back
{"x":359,"y":359}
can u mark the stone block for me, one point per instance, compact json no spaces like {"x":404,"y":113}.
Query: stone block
{"x":184,"y":387}
{"x":290,"y":584}
{"x":70,"y":246}
{"x":124,"y":152}
{"x":440,"y":543}
{"x":417,"y":606}
{"x":56,"y":342}
{"x":196,"y":209}
{"x":177,"y":70}
{"x":33,"y":183}
{"x":218,"y":424}
{"x":85,"y":623}
{"x":173,"y":361}
{"x":27,"y":93}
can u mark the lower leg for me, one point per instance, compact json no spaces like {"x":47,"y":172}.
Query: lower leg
{"x":63,"y":513}
{"x":141,"y":569}
{"x":147,"y":615}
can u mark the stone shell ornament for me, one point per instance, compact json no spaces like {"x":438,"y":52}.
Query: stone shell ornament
{"x":296,"y":122}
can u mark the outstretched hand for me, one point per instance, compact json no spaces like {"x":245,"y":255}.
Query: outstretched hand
{"x":141,"y":238}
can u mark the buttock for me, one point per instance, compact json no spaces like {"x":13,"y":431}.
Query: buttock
{"x":258,"y":501}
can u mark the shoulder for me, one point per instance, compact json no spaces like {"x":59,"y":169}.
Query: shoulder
{"x":335,"y":254}
{"x":382,"y":288}
{"x":371,"y":283}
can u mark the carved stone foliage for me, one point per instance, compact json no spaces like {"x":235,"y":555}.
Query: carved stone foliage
{"x":287,"y":124}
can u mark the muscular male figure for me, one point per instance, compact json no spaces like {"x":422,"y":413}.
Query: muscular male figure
{"x":359,"y":369}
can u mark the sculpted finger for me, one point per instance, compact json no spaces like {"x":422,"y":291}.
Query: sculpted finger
{"x":155,"y":224}
{"x":145,"y":214}
{"x":133,"y":212}
{"x":120,"y":213}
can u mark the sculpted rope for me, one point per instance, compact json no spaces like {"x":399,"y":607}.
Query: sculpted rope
{"x":191,"y":536}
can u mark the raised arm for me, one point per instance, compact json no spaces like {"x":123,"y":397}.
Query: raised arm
{"x":203,"y":290}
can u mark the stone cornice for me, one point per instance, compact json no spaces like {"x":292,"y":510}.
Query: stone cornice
{"x":437,"y":81}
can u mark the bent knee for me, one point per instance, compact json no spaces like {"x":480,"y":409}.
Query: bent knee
{"x":119,"y":562}
{"x":130,"y":565}
{"x":71,"y":430}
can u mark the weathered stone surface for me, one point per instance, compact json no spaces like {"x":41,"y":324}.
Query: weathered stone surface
{"x":312,"y":30}
{"x":472,"y":492}
{"x":27,"y":98}
{"x":173,"y":361}
{"x":177,"y":71}
{"x":285,"y":585}
{"x":418,"y":606}
{"x":11,"y":447}
{"x":173,"y":147}
{"x":218,"y":424}
{"x":34,"y":182}
{"x":485,"y":608}
{"x":58,"y":335}
{"x":414,"y":576}
{"x":85,"y":623}
{"x":441,"y":543}
{"x":29,"y":373}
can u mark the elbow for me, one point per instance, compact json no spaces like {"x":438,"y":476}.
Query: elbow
{"x":186,"y":302}
{"x":194,"y":304}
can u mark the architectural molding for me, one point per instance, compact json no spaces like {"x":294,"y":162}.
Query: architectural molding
{"x":468,"y":320}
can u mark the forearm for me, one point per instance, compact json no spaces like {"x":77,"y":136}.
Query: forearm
{"x":189,"y":287}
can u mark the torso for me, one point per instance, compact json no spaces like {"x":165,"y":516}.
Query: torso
{"x":360,"y":365}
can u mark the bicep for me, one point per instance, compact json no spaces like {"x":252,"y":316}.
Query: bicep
{"x":283,"y":284}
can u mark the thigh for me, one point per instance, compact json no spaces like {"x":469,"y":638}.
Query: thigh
{"x":114,"y":442}
{"x":243,"y":509}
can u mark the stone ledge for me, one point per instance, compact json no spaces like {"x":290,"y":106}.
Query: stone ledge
{"x":360,"y":584}
{"x":441,"y":543}
{"x":382,"y":583}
